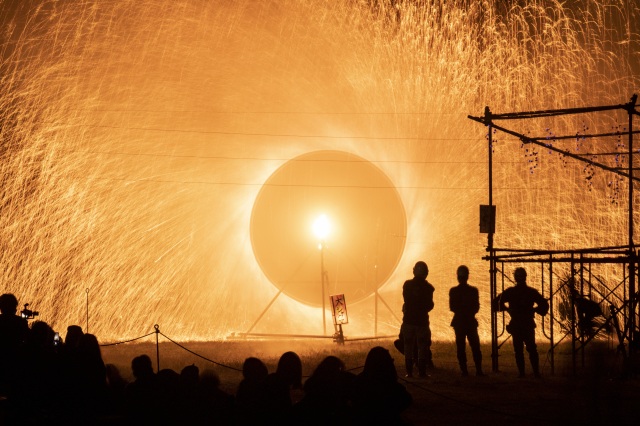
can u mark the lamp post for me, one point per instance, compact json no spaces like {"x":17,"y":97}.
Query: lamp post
{"x":321,"y":229}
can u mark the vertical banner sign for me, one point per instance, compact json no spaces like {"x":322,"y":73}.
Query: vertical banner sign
{"x":339,"y":306}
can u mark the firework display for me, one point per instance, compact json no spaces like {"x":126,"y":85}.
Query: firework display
{"x":137,"y":137}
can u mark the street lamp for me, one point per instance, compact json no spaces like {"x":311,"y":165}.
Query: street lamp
{"x":321,"y":229}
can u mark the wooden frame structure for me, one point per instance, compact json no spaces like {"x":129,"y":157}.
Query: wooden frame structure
{"x":621,"y":298}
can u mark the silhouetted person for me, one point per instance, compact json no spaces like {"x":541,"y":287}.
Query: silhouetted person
{"x":69,"y":348}
{"x":190,"y":406}
{"x":464,"y":302}
{"x":278,"y":386}
{"x":82,"y":381}
{"x":71,"y":374}
{"x":141,"y":395}
{"x":327,"y":394}
{"x":169,"y":394}
{"x":115,"y":390}
{"x":38,"y":391}
{"x":378,"y":398}
{"x":522,"y":303}
{"x":587,"y":311}
{"x":217,"y":405}
{"x":93,"y":377}
{"x":251,"y":393}
{"x":418,"y":302}
{"x":13,"y":335}
{"x":72,"y":338}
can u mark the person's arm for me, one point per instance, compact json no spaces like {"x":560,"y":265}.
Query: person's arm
{"x":430,"y":299}
{"x":475,"y":305}
{"x":542,"y":305}
{"x":499,"y":303}
{"x":452,"y":301}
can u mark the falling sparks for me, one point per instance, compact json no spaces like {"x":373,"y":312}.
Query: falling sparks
{"x":136,"y":136}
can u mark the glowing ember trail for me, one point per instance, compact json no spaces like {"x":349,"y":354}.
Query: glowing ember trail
{"x":137,"y":135}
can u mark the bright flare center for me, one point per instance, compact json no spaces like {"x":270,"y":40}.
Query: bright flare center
{"x":322,"y":227}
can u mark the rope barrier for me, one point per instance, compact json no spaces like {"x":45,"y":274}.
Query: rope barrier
{"x":127,"y":341}
{"x":158,"y":332}
{"x":197,"y":354}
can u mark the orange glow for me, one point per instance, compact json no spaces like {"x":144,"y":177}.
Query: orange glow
{"x":362,"y":242}
{"x":164,"y":161}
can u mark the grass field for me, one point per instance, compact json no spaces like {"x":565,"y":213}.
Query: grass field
{"x":592,"y":393}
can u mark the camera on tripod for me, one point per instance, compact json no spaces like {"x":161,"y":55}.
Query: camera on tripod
{"x":28,"y":314}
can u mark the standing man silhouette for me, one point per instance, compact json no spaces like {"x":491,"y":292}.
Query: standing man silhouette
{"x":464,"y":302}
{"x":522,"y":302}
{"x":418,"y":302}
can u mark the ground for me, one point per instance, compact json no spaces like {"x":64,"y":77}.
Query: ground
{"x":591,"y":391}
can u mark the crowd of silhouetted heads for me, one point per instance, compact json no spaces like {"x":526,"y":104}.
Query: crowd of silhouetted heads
{"x":49,"y":380}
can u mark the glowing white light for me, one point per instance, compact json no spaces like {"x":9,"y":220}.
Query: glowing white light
{"x":322,"y":227}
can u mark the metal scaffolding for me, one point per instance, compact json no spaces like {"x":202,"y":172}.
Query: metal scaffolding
{"x":569,"y":278}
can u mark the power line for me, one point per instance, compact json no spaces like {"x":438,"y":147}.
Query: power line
{"x":224,"y":157}
{"x":270,"y":112}
{"x":275,"y":135}
{"x":435,"y":188}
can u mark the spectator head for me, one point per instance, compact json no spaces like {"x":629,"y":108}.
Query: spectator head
{"x":41,"y":335}
{"x":290,"y":368}
{"x":462,"y":273}
{"x":379,"y":365}
{"x":8,"y":304}
{"x":329,"y":365}
{"x":141,"y":367}
{"x":420,"y":270}
{"x":254,"y":369}
{"x":190,"y":374}
{"x":72,"y":339}
{"x":89,"y":346}
{"x":520,"y":275}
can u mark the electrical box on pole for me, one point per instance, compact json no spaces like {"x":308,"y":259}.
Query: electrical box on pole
{"x":487,"y":219}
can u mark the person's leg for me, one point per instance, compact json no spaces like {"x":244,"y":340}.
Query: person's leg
{"x":518,"y":349}
{"x":532,"y":349}
{"x":424,"y":350}
{"x":409,"y":332}
{"x":474,"y":343}
{"x":461,"y":351}
{"x":428,"y":354}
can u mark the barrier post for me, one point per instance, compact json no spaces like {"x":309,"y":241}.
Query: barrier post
{"x":157,"y":327}
{"x":87,"y":309}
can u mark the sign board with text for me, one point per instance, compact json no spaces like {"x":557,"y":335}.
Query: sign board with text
{"x":339,"y":308}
